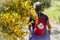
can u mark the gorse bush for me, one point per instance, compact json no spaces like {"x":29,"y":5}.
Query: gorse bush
{"x":9,"y":24}
{"x":15,"y":18}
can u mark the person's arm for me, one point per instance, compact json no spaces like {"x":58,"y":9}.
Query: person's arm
{"x":49,"y":26}
{"x":29,"y":26}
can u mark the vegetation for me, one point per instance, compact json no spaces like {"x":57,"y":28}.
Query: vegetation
{"x":54,"y":11}
{"x":15,"y":13}
{"x":14,"y":18}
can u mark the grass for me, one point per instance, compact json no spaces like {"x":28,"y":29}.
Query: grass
{"x":53,"y":14}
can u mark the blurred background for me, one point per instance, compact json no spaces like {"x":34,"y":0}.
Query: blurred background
{"x":13,"y":14}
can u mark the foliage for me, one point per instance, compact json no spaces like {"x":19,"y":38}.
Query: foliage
{"x":15,"y":18}
{"x":54,"y":11}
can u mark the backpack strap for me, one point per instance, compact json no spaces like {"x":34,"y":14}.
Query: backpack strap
{"x":43,"y":15}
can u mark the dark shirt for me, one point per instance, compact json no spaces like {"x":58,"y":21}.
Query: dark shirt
{"x":39,"y":15}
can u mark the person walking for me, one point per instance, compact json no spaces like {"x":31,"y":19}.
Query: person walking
{"x":39,"y":27}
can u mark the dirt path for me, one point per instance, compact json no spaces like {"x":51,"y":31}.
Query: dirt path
{"x":55,"y":32}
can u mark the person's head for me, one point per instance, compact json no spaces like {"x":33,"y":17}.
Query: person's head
{"x":37,"y":6}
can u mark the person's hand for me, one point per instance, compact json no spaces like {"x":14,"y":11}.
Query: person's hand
{"x":49,"y":32}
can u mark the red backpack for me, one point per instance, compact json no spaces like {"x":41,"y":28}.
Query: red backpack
{"x":40,"y":26}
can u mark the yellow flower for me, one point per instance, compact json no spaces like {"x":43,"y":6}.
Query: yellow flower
{"x":15,"y":1}
{"x":6,"y":8}
{"x":17,"y":20}
{"x":0,"y":27}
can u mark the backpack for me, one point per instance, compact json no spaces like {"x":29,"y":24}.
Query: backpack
{"x":40,"y":26}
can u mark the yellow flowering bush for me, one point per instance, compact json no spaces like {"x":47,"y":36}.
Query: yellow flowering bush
{"x":15,"y":18}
